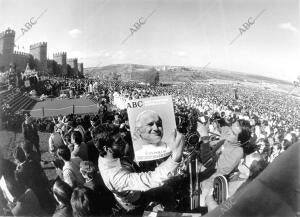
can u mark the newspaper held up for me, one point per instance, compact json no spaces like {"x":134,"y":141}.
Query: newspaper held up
{"x":151,"y":121}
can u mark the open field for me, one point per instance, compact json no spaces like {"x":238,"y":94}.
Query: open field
{"x":64,"y":107}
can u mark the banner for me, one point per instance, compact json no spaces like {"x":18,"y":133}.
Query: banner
{"x":152,"y":122}
{"x":120,"y":102}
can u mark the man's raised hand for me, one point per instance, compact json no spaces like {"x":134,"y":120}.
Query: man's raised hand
{"x":177,"y":145}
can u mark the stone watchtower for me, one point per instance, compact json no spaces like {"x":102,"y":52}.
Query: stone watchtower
{"x":61,"y":59}
{"x":7,"y":42}
{"x":39,"y":52}
{"x":80,"y":69}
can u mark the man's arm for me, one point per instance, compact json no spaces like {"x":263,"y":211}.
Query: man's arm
{"x":124,"y":180}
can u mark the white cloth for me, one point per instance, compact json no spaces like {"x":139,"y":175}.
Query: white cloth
{"x":71,"y":172}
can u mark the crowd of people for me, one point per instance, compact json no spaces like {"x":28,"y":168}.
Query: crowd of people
{"x":239,"y":132}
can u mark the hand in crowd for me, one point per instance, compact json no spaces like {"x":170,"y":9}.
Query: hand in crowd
{"x":177,"y":145}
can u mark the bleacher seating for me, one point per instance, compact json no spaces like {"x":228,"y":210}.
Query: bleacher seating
{"x":17,"y":101}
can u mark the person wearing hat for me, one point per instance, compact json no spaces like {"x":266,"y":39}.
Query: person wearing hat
{"x":30,"y":132}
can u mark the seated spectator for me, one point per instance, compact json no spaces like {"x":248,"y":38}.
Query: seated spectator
{"x":80,"y":148}
{"x":62,"y":193}
{"x":249,"y":168}
{"x":71,"y":168}
{"x":235,"y":137}
{"x":126,"y":183}
{"x":83,"y":202}
{"x":275,"y":151}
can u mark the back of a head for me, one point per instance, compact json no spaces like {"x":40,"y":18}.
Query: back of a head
{"x":82,"y":202}
{"x":104,"y":137}
{"x":88,"y":168}
{"x":77,"y":137}
{"x":64,"y":152}
{"x":62,"y":191}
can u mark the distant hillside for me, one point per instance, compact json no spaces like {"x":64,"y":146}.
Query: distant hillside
{"x":179,"y":73}
{"x":147,"y":74}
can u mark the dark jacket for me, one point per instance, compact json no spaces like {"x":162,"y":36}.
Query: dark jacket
{"x":30,"y":133}
{"x":27,"y":205}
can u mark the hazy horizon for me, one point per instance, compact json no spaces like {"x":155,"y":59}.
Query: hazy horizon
{"x":188,"y":33}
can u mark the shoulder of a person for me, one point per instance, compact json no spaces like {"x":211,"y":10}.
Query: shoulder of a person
{"x":238,"y":151}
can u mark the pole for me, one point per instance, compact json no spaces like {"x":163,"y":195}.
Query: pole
{"x":73,"y":108}
{"x":43,"y":112}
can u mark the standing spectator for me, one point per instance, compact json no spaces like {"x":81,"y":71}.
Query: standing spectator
{"x":71,"y":168}
{"x":32,"y":175}
{"x":27,"y":147}
{"x":80,"y":148}
{"x":30,"y":132}
{"x":126,"y":183}
{"x":55,"y":140}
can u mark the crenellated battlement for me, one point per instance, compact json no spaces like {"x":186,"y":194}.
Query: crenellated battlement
{"x":21,"y":53}
{"x":38,"y":45}
{"x":7,"y":33}
{"x":59,"y":54}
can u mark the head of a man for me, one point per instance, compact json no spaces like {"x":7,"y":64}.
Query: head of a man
{"x":110,"y":143}
{"x":148,"y":126}
{"x":76,"y":138}
{"x":64,"y":153}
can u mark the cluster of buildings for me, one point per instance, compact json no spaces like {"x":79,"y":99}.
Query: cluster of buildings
{"x":58,"y":66}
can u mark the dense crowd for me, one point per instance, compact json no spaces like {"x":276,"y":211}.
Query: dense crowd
{"x":239,"y":131}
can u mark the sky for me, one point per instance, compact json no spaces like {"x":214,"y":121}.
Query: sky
{"x":176,"y":32}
